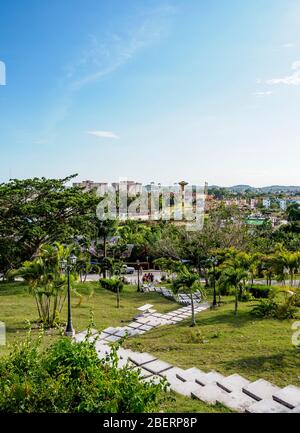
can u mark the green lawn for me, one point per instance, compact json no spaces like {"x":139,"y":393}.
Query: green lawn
{"x":254,"y":348}
{"x":246,"y":345}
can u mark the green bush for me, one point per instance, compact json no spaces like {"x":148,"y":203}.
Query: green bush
{"x":69,"y":377}
{"x":270,"y":308}
{"x":113,"y":284}
{"x":261,"y":291}
{"x":265,"y":308}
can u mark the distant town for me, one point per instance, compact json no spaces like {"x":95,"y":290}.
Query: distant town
{"x":259,"y":205}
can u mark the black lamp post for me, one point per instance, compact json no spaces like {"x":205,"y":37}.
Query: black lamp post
{"x":138,"y":272}
{"x":67,"y":265}
{"x":214,"y":264}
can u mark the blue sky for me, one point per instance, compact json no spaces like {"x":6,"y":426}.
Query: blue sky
{"x":151,"y":90}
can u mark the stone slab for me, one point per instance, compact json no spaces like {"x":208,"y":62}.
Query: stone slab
{"x":236,"y":400}
{"x":267,"y":406}
{"x":210,"y":378}
{"x":157,"y":366}
{"x":134,"y":325}
{"x":209,"y":394}
{"x":191,"y":375}
{"x":145,"y":328}
{"x":112,"y":338}
{"x":110,"y":330}
{"x":296,"y":410}
{"x":288,"y":396}
{"x":143,"y":320}
{"x":261,"y":389}
{"x":141,"y":358}
{"x":234,"y":382}
{"x":142,"y":372}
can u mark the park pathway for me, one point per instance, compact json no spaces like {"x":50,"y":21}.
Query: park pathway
{"x":234,"y":391}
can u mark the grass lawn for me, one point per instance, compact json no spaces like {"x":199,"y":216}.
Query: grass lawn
{"x":17,"y":309}
{"x":252,"y":347}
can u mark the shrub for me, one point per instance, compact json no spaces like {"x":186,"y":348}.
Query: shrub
{"x":245,"y":296}
{"x":270,"y":308}
{"x":265,"y":308}
{"x":69,"y":377}
{"x":261,"y":291}
{"x":112,"y":284}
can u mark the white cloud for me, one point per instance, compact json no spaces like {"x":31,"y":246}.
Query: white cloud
{"x":290,"y":45}
{"x":290,"y":80}
{"x":261,"y":94}
{"x":103,"y":134}
{"x":104,"y":55}
{"x":296,"y":65}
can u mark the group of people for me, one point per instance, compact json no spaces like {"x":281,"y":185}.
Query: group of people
{"x":148,"y":278}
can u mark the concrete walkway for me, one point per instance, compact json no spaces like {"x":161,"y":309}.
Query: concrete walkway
{"x":234,"y":391}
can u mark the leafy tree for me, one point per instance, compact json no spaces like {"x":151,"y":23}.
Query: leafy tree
{"x":46,"y":282}
{"x":188,"y":282}
{"x":38,"y":211}
{"x":69,"y":377}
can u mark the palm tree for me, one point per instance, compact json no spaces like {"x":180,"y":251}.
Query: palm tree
{"x":188,"y":282}
{"x":45,"y":280}
{"x":234,"y":277}
{"x":236,"y":269}
{"x":105,"y":230}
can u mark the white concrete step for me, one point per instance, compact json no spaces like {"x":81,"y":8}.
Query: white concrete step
{"x":261,"y":389}
{"x":198,"y":376}
{"x":191,"y":374}
{"x":213,"y":377}
{"x":157,"y":367}
{"x":234,"y":382}
{"x":236,"y":400}
{"x":143,"y":373}
{"x":267,"y":406}
{"x":183,"y":388}
{"x":296,"y":409}
{"x":141,"y":358}
{"x":209,"y":394}
{"x":172,"y":373}
{"x":153,"y":379}
{"x":288,"y":396}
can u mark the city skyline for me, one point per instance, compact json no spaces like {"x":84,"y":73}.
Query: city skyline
{"x":163,"y":90}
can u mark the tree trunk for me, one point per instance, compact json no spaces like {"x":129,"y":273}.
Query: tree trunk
{"x":118,"y":298}
{"x":193,"y":310}
{"x":105,"y":254}
{"x":236,"y":302}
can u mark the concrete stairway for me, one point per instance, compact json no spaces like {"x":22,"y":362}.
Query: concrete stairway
{"x":233,"y":391}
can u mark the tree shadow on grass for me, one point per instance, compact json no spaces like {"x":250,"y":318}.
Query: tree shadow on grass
{"x":226,"y":318}
{"x":10,"y":289}
{"x":258,"y":364}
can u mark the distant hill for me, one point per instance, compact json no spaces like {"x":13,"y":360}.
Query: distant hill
{"x":274,"y":189}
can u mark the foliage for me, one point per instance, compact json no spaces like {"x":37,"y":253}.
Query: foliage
{"x":38,"y":211}
{"x":69,"y":377}
{"x":272,"y":308}
{"x":115,"y":285}
{"x":46,"y":282}
{"x":261,"y":291}
{"x":188,"y":282}
{"x":112,"y":284}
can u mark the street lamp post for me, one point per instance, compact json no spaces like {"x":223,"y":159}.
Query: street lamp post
{"x":68,"y":265}
{"x":138,"y":272}
{"x":214,"y":264}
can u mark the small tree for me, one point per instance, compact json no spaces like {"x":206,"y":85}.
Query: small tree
{"x":114,"y":284}
{"x":188,"y":282}
{"x":46,"y":281}
{"x":234,"y":277}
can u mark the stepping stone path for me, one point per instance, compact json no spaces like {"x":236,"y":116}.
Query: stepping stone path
{"x":181,"y":298}
{"x":234,"y":391}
